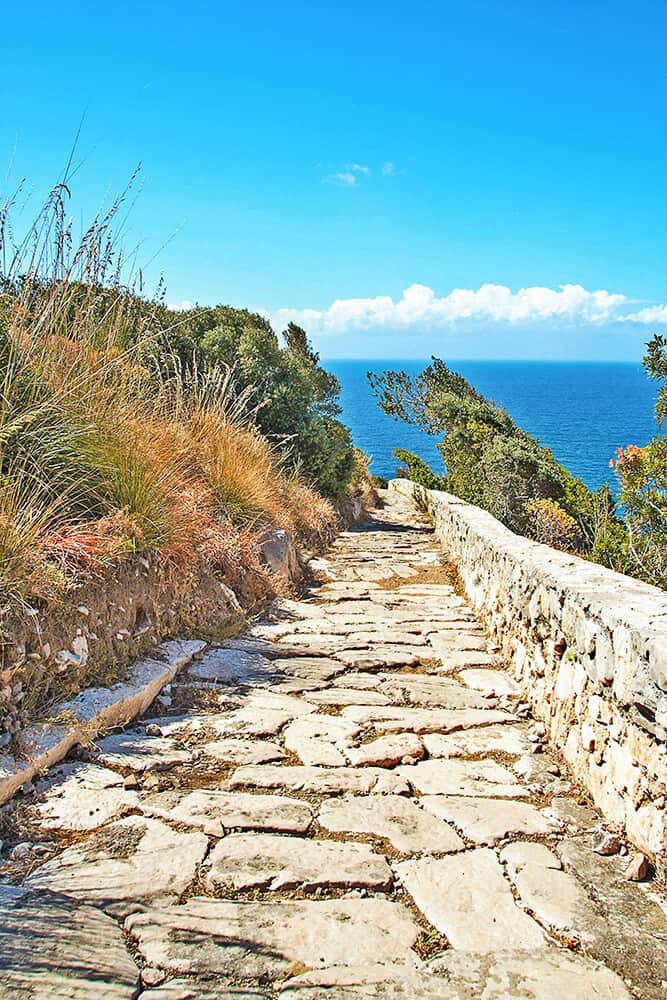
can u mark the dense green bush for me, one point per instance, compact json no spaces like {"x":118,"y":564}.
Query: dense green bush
{"x":296,"y":400}
{"x":493,"y":463}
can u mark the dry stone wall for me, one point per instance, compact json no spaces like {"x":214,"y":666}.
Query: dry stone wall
{"x":589,"y":648}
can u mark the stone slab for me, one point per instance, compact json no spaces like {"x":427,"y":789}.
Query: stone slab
{"x":394,"y":719}
{"x":232,"y":666}
{"x":370,"y":982}
{"x":253,"y":940}
{"x":320,"y":739}
{"x":507,"y":739}
{"x":491,"y":682}
{"x":386,"y":751}
{"x":133,"y":750}
{"x":320,"y":780}
{"x":215,"y":811}
{"x":269,"y":861}
{"x":556,"y":898}
{"x":52,"y":948}
{"x":134,"y":860}
{"x":242,"y":751}
{"x":548,"y":974}
{"x":399,"y":820}
{"x":195,"y":989}
{"x":487,"y":820}
{"x":80,"y":796}
{"x":347,"y":696}
{"x":453,"y":776}
{"x":467,"y":898}
{"x":427,"y":690}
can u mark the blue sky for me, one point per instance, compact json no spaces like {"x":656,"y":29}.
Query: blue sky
{"x":295,"y":157}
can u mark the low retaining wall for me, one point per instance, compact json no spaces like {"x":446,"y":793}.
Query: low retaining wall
{"x":589,"y":648}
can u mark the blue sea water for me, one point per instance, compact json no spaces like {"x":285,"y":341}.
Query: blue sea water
{"x":583,"y":411}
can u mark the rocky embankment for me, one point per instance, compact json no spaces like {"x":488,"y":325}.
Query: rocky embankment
{"x":349,"y":800}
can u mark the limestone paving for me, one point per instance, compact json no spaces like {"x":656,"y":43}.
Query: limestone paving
{"x":347,"y":801}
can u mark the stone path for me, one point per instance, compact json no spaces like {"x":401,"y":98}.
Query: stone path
{"x":348,"y":801}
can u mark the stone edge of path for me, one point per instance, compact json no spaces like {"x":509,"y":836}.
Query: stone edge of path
{"x":94,"y":710}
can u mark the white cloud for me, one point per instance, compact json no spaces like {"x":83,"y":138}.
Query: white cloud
{"x":359,"y":168}
{"x":421,"y":308}
{"x":652,"y":314}
{"x":345,"y":177}
{"x":388,"y":169}
{"x":181,"y":306}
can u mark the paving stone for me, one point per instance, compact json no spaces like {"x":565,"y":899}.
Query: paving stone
{"x":467,"y":898}
{"x":243,"y":751}
{"x":322,"y":668}
{"x":485,"y":821}
{"x":81,"y":796}
{"x":394,"y":719}
{"x":386,"y":751}
{"x":320,"y":739}
{"x":496,"y":682}
{"x":266,"y":860}
{"x":383,"y":635}
{"x":453,"y":776}
{"x":547,"y":974}
{"x":636,"y":923}
{"x":575,"y":816}
{"x":52,"y":948}
{"x":134,"y":860}
{"x":358,"y":680}
{"x":322,"y":780}
{"x":215,"y":811}
{"x":347,"y":696}
{"x":231,"y":666}
{"x":253,"y":940}
{"x":379,"y":658}
{"x":211,"y":989}
{"x":556,"y":898}
{"x":133,"y":750}
{"x":408,"y":828}
{"x":429,"y":690}
{"x":508,"y":739}
{"x":372,"y":982}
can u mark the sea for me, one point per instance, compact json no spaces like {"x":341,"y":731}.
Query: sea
{"x":582,"y":411}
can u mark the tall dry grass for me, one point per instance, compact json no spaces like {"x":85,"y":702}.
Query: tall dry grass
{"x":100,"y":456}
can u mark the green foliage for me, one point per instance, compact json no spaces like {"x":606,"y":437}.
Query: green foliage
{"x":642,"y":474}
{"x":295,"y":399}
{"x":493,"y":463}
{"x":416,"y":469}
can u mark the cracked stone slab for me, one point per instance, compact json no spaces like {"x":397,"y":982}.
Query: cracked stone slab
{"x":509,"y":739}
{"x":358,"y":680}
{"x":135,"y":751}
{"x":394,"y":719}
{"x":487,"y":820}
{"x":322,"y":780}
{"x":467,"y":898}
{"x":556,"y":898}
{"x":320,"y":668}
{"x":399,"y":820}
{"x":253,"y":940}
{"x":242,"y":751}
{"x":548,"y":974}
{"x":81,"y":796}
{"x":135,"y":859}
{"x":266,"y":860}
{"x":215,"y":811}
{"x":453,"y":776}
{"x":320,"y":739}
{"x":52,"y":948}
{"x":386,"y":751}
{"x":491,"y":682}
